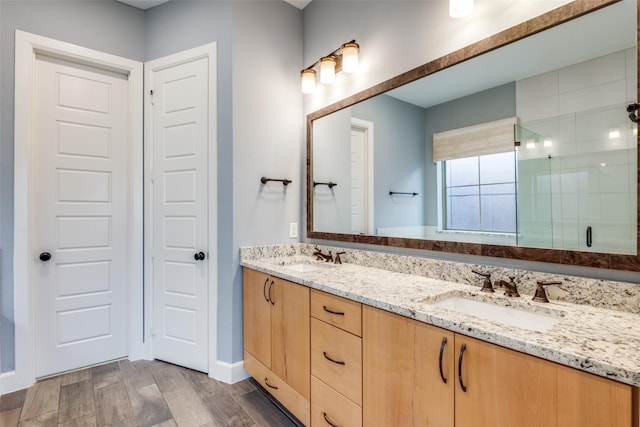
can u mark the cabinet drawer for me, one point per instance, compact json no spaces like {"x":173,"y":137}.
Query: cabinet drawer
{"x":336,"y":359}
{"x":330,"y":407}
{"x":292,"y":400}
{"x":337,"y":311}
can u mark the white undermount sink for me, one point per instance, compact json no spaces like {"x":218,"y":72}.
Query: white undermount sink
{"x":305,"y":268}
{"x":510,"y":316}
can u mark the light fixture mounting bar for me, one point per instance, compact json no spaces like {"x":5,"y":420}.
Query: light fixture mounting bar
{"x":335,"y":55}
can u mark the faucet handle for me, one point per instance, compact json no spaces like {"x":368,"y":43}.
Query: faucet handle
{"x":541,"y":294}
{"x":486,"y":285}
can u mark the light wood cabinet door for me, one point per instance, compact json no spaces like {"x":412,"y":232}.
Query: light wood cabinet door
{"x":504,"y":388}
{"x":290,"y":335}
{"x":587,"y":400}
{"x":256,"y":315}
{"x":402,"y":385}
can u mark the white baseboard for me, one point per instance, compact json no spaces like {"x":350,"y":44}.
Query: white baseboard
{"x":229,"y":373}
{"x":10,"y":382}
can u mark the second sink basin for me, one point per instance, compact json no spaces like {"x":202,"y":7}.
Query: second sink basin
{"x":510,"y":316}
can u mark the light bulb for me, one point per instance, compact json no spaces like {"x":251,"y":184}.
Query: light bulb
{"x":350,"y":57}
{"x":327,"y":70}
{"x":308,"y":80}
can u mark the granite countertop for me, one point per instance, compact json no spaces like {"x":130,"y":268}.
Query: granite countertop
{"x":596,"y":340}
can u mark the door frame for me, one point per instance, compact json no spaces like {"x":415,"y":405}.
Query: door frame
{"x":367,"y":126}
{"x":27,"y":45}
{"x":217,"y":369}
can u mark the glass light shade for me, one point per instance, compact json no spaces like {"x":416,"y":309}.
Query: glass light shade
{"x":460,"y":8}
{"x":350,"y":57}
{"x":327,"y":70}
{"x":308,"y":80}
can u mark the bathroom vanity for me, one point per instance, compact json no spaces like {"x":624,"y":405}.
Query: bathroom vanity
{"x":355,"y":345}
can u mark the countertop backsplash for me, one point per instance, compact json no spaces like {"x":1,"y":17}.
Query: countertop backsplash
{"x":599,"y":293}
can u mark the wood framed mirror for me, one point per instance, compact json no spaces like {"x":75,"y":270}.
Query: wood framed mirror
{"x":549,"y":167}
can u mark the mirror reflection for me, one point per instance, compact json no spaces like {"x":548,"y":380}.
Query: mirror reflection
{"x":527,"y":145}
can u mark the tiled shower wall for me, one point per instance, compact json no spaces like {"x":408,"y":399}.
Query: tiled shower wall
{"x":576,"y":182}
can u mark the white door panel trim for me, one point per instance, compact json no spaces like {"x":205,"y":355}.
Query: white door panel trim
{"x":27,"y":45}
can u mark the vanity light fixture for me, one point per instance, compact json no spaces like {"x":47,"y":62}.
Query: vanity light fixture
{"x":460,"y":8}
{"x":344,"y":58}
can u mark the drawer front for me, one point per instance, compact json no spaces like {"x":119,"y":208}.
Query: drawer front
{"x":292,"y":400}
{"x":331,"y":408}
{"x":336,"y":359}
{"x":337,"y":311}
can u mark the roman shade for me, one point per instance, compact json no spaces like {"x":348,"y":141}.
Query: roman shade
{"x":477,"y":140}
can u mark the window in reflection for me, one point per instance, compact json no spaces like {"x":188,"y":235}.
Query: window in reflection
{"x":480,"y":193}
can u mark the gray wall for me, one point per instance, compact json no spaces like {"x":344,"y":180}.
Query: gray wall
{"x":492,"y":104}
{"x":267,"y":141}
{"x":102,"y":25}
{"x":259,"y":117}
{"x":399,"y":152}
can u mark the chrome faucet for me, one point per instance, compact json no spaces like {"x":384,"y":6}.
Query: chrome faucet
{"x":322,"y":257}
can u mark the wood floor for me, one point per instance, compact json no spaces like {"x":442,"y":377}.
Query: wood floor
{"x":141,"y":393}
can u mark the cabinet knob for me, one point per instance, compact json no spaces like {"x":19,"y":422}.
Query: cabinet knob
{"x":45,"y":256}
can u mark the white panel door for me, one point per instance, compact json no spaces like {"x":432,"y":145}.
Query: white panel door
{"x":180,"y":206}
{"x":81,"y":137}
{"x":358,"y":181}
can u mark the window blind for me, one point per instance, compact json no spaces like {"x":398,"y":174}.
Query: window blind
{"x":477,"y":140}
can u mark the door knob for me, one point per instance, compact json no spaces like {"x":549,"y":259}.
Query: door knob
{"x":45,"y":256}
{"x":199,"y":256}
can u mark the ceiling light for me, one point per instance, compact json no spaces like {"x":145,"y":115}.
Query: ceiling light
{"x":344,"y":58}
{"x":460,"y":8}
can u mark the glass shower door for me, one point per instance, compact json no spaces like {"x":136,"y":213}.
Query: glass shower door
{"x":534,"y":201}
